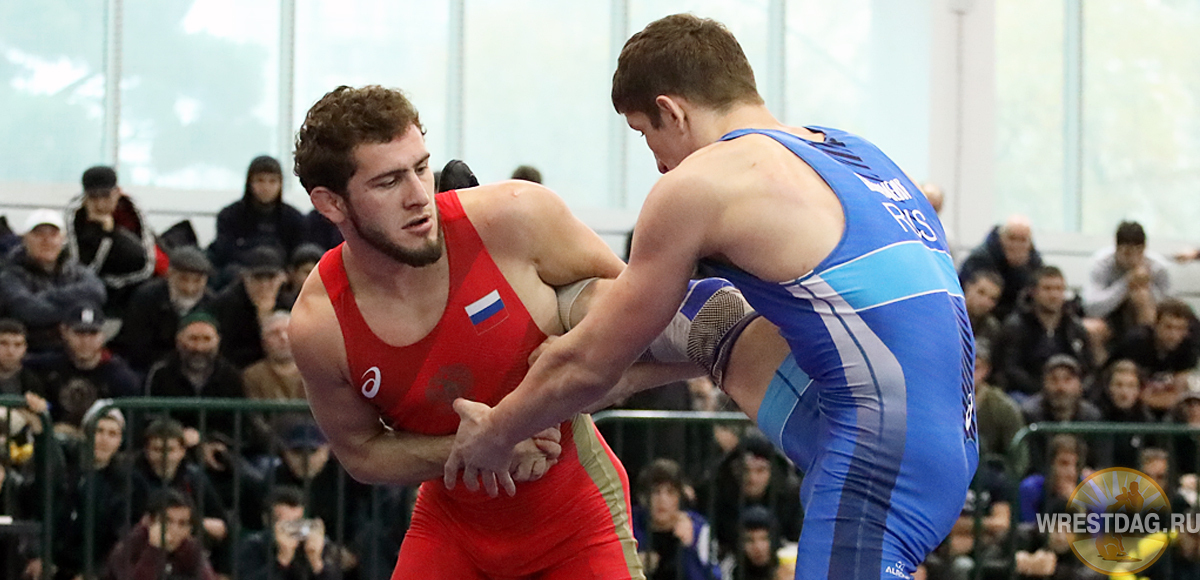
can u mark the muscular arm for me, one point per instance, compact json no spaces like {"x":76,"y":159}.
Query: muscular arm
{"x":370,"y":452}
{"x":580,"y":368}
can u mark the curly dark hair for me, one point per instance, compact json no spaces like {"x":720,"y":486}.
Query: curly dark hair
{"x":343,"y":119}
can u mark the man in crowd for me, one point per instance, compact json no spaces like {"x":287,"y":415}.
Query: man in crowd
{"x":1009,"y":251}
{"x":41,"y":281}
{"x":152,"y":317}
{"x":1125,"y":283}
{"x":108,"y":234}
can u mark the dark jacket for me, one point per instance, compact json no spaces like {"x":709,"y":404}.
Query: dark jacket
{"x":39,"y":299}
{"x":150,"y":324}
{"x":71,"y":390}
{"x":990,"y":256}
{"x":241,"y":334}
{"x":166,"y":379}
{"x":676,"y":561}
{"x":1024,"y":347}
{"x":246,"y":223}
{"x":135,"y":559}
{"x":122,"y":257}
{"x":256,"y":560}
{"x":320,"y":231}
{"x":1140,"y":346}
{"x":111,"y":496}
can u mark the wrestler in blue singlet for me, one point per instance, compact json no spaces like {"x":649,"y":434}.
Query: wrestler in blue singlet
{"x":876,"y":402}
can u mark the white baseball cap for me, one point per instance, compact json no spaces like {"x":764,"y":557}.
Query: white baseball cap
{"x":44,"y":216}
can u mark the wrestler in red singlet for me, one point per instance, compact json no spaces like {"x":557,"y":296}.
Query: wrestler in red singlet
{"x":573,"y":523}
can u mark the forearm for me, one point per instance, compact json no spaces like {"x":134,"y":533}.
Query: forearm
{"x":396,"y":458}
{"x":1100,"y":300}
{"x":560,"y":384}
{"x":643,"y":376}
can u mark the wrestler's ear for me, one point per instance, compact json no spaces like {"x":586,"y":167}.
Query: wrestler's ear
{"x":671,"y":111}
{"x":331,"y":205}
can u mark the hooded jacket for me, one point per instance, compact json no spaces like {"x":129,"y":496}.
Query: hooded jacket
{"x":246,"y":223}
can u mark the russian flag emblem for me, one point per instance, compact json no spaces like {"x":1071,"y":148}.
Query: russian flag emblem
{"x":487,"y":312}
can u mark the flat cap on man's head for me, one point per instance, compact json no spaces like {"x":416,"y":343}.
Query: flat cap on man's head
{"x":1062,"y":361}
{"x":190,"y":259}
{"x":263,"y":260}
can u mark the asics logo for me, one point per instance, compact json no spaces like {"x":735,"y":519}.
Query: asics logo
{"x":370,"y":386}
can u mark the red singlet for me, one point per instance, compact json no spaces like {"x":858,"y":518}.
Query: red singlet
{"x":572,"y":523}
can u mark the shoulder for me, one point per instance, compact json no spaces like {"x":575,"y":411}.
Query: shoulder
{"x":509,"y":203}
{"x":313,"y":331}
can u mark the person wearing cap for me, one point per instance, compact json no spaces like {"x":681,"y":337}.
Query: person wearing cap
{"x":302,"y":262}
{"x":85,"y":370}
{"x":152,"y":318}
{"x":1061,"y":399}
{"x":242,"y":307}
{"x":108,"y":234}
{"x":1042,"y":326}
{"x":41,"y":281}
{"x":196,"y":369}
{"x":259,"y":219}
{"x":757,"y":557}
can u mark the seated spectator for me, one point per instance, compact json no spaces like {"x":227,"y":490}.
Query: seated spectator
{"x":15,"y":377}
{"x":275,"y":377}
{"x":197,"y":369}
{"x":1126,"y":282}
{"x":758,"y":558}
{"x":1121,"y":402}
{"x":673,"y":542}
{"x":1008,"y":250}
{"x":1050,"y":491}
{"x":320,"y":231}
{"x":1165,"y":353}
{"x":303,"y":260}
{"x":152,"y":319}
{"x":997,"y":416}
{"x":108,"y":234}
{"x":110,"y":494}
{"x":755,"y":474}
{"x":290,"y":546}
{"x":41,"y":281}
{"x":162,"y":543}
{"x":306,"y":462}
{"x":981,"y":292}
{"x":241,"y":307}
{"x":260,"y":219}
{"x":1061,"y":399}
{"x":162,"y":465}
{"x":527,"y":173}
{"x":84,"y":372}
{"x":1041,"y":328}
{"x":1156,"y":463}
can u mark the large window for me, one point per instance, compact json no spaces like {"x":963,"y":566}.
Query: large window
{"x":1029,"y":111}
{"x":199,"y":92}
{"x":203,"y":86}
{"x":536,"y":92}
{"x":51,"y":89}
{"x":1141,"y":118}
